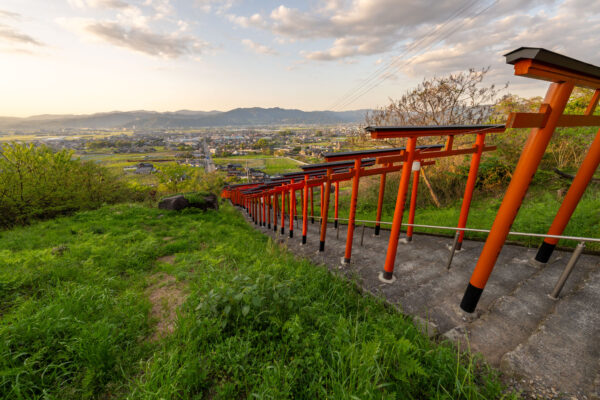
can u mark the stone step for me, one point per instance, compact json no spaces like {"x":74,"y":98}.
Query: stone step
{"x":564,"y":352}
{"x":514,"y":317}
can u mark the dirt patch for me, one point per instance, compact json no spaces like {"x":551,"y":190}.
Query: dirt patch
{"x":170,"y":259}
{"x":168,"y":238}
{"x":166,"y":295}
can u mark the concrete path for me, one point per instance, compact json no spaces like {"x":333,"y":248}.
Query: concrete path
{"x":551,"y":345}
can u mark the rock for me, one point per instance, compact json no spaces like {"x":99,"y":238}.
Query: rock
{"x":174,"y":203}
{"x":202,"y":201}
{"x":205,"y":202}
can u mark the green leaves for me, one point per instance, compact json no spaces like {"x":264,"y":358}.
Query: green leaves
{"x":36,"y":182}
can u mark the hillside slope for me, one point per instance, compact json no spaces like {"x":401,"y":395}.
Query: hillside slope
{"x":133,"y":302}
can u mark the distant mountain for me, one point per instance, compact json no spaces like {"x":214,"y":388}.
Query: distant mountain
{"x":183,"y":119}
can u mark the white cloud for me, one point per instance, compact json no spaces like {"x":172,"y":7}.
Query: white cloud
{"x":259,"y":48}
{"x":218,"y":6}
{"x":13,"y":39}
{"x":118,"y":4}
{"x":432,"y":37}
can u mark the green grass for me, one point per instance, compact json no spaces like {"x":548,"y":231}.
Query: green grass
{"x":257,"y":322}
{"x":270,"y":164}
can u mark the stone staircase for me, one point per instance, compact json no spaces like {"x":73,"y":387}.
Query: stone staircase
{"x":542,"y":342}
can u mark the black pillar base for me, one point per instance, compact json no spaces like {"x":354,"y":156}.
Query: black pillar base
{"x":268,"y":226}
{"x":291,"y":233}
{"x":409,"y":238}
{"x":544,"y":252}
{"x":303,"y":239}
{"x":471,"y":298}
{"x":388,"y":275}
{"x":346,"y":260}
{"x":377,"y":227}
{"x":274,"y":228}
{"x":335,"y":224}
{"x":312,"y":220}
{"x":282,"y":230}
{"x":321,"y":246}
{"x":458,"y":246}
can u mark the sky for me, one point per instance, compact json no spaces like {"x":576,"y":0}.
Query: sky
{"x":87,"y":56}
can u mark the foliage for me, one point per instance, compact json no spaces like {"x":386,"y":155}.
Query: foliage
{"x":36,"y":182}
{"x":257,"y":323}
{"x":455,"y":99}
{"x":176,"y":178}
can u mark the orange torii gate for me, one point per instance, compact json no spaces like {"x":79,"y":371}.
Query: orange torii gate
{"x":412,"y":154}
{"x":565,"y":73}
{"x":334,"y":172}
{"x":357,"y":157}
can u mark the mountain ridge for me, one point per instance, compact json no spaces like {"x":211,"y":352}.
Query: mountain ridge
{"x":143,"y":119}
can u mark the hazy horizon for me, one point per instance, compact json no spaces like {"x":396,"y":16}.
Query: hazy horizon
{"x":96,"y":56}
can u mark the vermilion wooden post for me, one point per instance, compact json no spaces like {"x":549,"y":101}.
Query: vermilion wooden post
{"x":275,"y":212}
{"x":305,"y":209}
{"x":580,"y":182}
{"x":324,"y":209}
{"x":578,"y":186}
{"x":292,"y":205}
{"x":380,"y":203}
{"x":337,"y":195}
{"x":312,"y":215}
{"x":535,"y":146}
{"x":322,"y":199}
{"x":283,"y":212}
{"x":416,"y":169}
{"x":390,"y":259}
{"x":269,"y":211}
{"x":255,"y":211}
{"x":351,"y":217}
{"x":470,"y":187}
{"x":264,"y":205}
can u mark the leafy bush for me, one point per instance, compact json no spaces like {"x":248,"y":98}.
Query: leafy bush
{"x":178,"y":178}
{"x":36,"y":182}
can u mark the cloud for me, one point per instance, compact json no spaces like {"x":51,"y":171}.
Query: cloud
{"x":9,"y":14}
{"x":115,"y":4}
{"x":9,"y":34}
{"x":144,"y":41}
{"x":429,"y":37}
{"x":12,"y":39}
{"x":149,"y":28}
{"x":259,"y":48}
{"x":219,"y":6}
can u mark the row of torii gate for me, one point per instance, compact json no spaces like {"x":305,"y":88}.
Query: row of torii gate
{"x":259,"y":199}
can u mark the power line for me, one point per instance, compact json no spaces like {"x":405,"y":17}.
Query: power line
{"x":407,"y":50}
{"x":382,"y":77}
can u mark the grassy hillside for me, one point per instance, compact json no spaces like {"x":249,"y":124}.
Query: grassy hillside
{"x":132,"y":302}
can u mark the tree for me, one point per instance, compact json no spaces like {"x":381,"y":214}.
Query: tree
{"x":456,"y":99}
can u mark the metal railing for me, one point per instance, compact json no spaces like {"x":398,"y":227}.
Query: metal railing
{"x":561,"y":280}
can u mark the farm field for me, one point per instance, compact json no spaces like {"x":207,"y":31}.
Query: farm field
{"x":271,"y":165}
{"x":134,"y":302}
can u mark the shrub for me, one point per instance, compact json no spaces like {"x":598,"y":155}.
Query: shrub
{"x":36,"y":182}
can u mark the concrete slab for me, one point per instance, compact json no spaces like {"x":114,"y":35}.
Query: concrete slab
{"x":516,"y":325}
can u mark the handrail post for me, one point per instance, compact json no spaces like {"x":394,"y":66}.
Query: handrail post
{"x":567,"y":271}
{"x":362,"y":235}
{"x":453,"y":249}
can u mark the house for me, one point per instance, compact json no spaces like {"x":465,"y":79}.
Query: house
{"x":144,"y":168}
